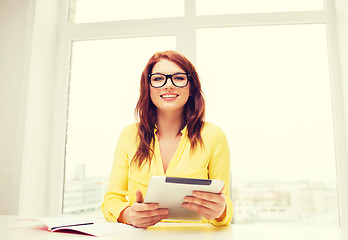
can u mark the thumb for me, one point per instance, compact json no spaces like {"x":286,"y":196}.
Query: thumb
{"x":139,"y":197}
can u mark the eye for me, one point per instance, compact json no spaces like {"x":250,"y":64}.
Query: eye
{"x":157,"y":78}
{"x":180,"y":77}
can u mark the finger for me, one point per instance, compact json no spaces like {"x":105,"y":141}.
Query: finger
{"x":200,"y":201}
{"x":139,"y":196}
{"x":142,"y":217}
{"x":205,"y":212}
{"x":144,"y":206}
{"x":153,"y":213}
{"x":148,"y":221}
{"x":212,"y":197}
{"x":148,"y":224}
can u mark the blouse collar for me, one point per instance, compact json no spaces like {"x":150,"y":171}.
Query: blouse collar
{"x":183,"y":131}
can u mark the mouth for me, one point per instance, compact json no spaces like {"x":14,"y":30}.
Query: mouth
{"x":170,"y":96}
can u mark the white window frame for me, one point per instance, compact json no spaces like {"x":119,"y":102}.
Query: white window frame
{"x":184,"y":28}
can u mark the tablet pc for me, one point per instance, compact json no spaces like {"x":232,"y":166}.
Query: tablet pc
{"x":169,"y":192}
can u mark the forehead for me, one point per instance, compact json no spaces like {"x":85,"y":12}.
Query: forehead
{"x":166,"y":66}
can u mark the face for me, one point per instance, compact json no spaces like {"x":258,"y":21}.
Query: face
{"x":169,"y":98}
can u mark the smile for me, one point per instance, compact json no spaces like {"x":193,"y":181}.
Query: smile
{"x":169,"y":96}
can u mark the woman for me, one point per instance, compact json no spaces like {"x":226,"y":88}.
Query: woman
{"x":170,"y":139}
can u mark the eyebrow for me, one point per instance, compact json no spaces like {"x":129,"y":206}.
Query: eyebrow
{"x":167,"y":74}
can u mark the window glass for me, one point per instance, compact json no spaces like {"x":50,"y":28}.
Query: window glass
{"x":104,"y":89}
{"x":85,"y":11}
{"x":268,"y":87}
{"x":208,"y":7}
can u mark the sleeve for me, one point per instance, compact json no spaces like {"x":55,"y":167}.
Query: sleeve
{"x":219,"y":168}
{"x":115,"y":198}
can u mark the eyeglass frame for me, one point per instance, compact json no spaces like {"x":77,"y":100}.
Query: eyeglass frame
{"x":171,"y":79}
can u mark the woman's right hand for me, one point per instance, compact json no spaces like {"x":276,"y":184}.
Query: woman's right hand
{"x":142,"y":214}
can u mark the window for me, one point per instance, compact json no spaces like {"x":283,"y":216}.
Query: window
{"x":206,"y":7}
{"x":267,"y":84}
{"x":82,"y":11}
{"x":274,"y":81}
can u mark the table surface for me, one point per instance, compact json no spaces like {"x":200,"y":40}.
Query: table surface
{"x":182,"y":231}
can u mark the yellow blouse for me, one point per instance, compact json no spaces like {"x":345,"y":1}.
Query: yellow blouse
{"x":212,"y":161}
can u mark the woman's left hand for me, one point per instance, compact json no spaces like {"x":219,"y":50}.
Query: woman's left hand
{"x":209,"y":205}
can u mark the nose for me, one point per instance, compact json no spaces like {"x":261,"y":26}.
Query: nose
{"x":169,"y":83}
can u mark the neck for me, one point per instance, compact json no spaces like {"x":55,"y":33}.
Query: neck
{"x":169,"y":124}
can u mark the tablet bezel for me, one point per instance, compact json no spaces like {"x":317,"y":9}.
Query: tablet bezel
{"x":169,"y":192}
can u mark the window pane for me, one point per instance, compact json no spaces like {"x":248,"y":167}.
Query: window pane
{"x":208,"y":7}
{"x":84,"y":11}
{"x":104,"y":89}
{"x":272,"y":84}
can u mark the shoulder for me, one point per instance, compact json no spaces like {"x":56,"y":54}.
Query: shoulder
{"x":212,"y":130}
{"x":214,"y":138}
{"x":212,"y":133}
{"x":129,"y":132}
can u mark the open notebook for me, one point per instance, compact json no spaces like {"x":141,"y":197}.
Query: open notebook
{"x":83,"y":225}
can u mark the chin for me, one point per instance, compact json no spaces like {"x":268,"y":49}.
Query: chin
{"x":171,"y":109}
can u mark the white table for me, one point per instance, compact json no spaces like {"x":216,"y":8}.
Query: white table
{"x":182,"y":231}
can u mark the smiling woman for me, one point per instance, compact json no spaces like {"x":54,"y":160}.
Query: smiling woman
{"x":172,"y":139}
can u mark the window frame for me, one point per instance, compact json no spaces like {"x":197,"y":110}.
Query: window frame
{"x":185,"y":30}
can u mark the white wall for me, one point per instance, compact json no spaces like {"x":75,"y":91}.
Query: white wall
{"x":12,"y":49}
{"x":28,"y":46}
{"x":341,"y":10}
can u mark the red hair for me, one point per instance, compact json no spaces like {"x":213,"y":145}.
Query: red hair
{"x":194,"y":109}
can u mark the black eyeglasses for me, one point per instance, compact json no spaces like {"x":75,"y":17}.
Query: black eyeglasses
{"x":158,"y":80}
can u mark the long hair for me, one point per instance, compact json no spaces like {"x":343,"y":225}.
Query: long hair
{"x":146,"y":112}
